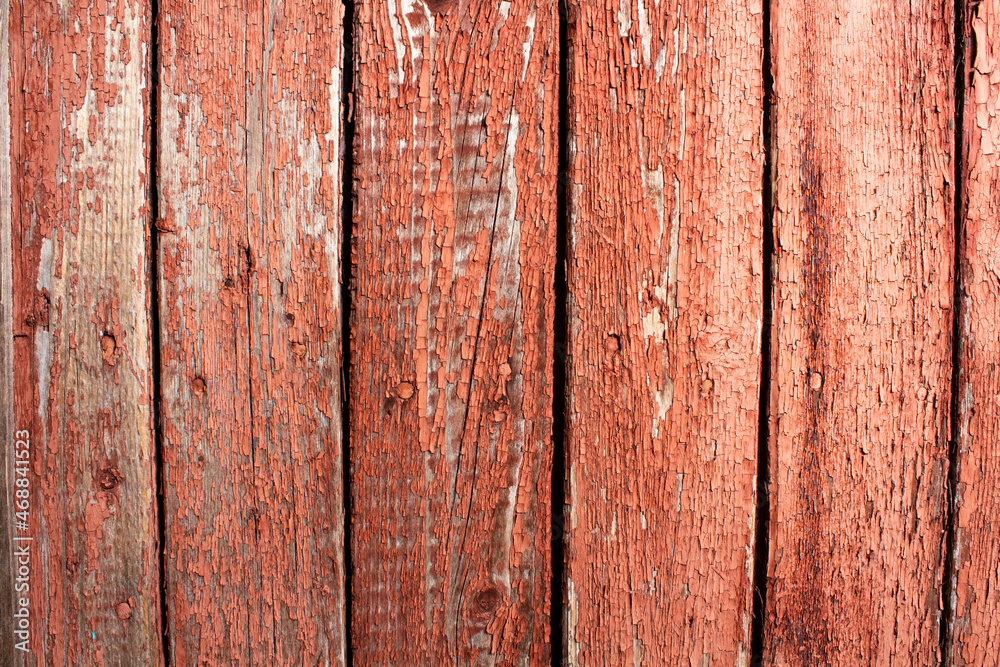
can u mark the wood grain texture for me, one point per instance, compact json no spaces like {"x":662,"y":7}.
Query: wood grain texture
{"x":249,"y":224}
{"x":79,"y":126}
{"x":975,"y":632}
{"x":664,"y":309}
{"x":8,"y":424}
{"x":863,"y":292}
{"x":454,"y":252}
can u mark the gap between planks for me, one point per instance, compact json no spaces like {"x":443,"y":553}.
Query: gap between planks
{"x":762,"y":527}
{"x":951,"y":488}
{"x":153,"y":193}
{"x":557,"y":598}
{"x":346,"y":265}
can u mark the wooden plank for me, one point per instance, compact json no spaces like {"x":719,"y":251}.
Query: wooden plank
{"x":665,"y":307}
{"x":976,"y":583}
{"x":79,"y":235}
{"x":250,"y":180}
{"x":863,"y":318}
{"x":452,"y":308}
{"x":8,"y":424}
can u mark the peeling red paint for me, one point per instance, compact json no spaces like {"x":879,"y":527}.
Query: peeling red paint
{"x":864,"y":245}
{"x":454,"y":250}
{"x":976,"y":585}
{"x":78,"y":95}
{"x":665,"y":307}
{"x":250,"y":313}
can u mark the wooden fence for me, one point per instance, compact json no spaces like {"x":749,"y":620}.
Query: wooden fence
{"x":500,"y":332}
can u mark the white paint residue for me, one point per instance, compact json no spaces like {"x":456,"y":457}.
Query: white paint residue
{"x":397,"y":41}
{"x":644,"y":33}
{"x":653,"y":325}
{"x":333,"y":167}
{"x":624,"y":18}
{"x":528,"y":43}
{"x":680,"y":489}
{"x":414,"y":34}
{"x":661,"y":61}
{"x":677,"y":50}
{"x":637,"y":649}
{"x":43,"y":357}
{"x":572,"y":618}
{"x":683,"y":113}
{"x":664,"y":399}
{"x":45,"y":265}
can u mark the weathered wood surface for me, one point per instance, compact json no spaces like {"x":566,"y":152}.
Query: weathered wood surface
{"x":79,"y":232}
{"x":249,"y":237}
{"x":975,"y":631}
{"x":8,"y":424}
{"x":452,"y":344}
{"x":864,"y":224}
{"x":665,"y":307}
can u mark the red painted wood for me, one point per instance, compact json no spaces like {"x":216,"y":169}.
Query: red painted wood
{"x":452,"y":307}
{"x":249,"y":167}
{"x":76,"y":135}
{"x":665,"y":313}
{"x":975,"y":627}
{"x":862,"y":340}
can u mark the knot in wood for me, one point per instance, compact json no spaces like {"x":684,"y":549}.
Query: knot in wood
{"x":123,"y":610}
{"x":108,"y":347}
{"x":109,"y":479}
{"x":816,"y":381}
{"x":487,"y":600}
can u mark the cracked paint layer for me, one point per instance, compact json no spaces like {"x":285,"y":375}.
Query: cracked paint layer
{"x":665,"y":297}
{"x":79,"y":317}
{"x":975,"y":630}
{"x":863,"y":292}
{"x":249,"y":237}
{"x":451,"y":324}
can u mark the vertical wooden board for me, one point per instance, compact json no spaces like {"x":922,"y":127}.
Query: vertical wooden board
{"x":454,"y":251}
{"x":250,"y":160}
{"x":212,"y":575}
{"x":79,"y":236}
{"x":976,"y":584}
{"x":863,"y":318}
{"x":8,"y":424}
{"x":664,"y":308}
{"x":294,"y":184}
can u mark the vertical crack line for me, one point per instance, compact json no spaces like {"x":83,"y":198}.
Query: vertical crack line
{"x":954,"y":446}
{"x":762,"y":527}
{"x":557,"y":595}
{"x":346,"y":273}
{"x":153,"y":192}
